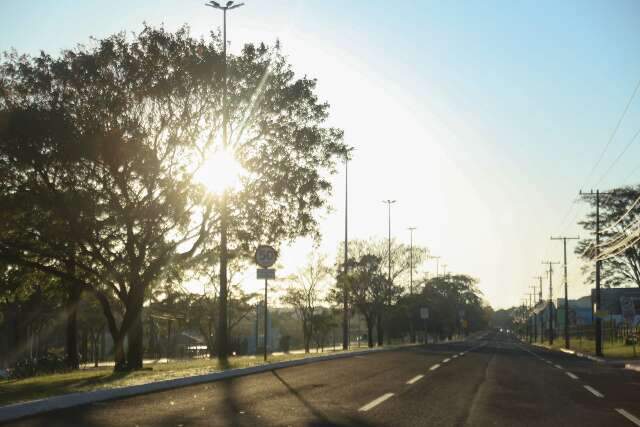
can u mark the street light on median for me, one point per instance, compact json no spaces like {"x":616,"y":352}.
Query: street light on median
{"x":222,"y":338}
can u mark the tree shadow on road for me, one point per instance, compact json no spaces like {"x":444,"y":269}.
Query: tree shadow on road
{"x":322,"y":419}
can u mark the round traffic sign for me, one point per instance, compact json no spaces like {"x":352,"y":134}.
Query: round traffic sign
{"x":266,"y":256}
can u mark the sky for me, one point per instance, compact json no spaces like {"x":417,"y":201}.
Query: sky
{"x":483,"y":119}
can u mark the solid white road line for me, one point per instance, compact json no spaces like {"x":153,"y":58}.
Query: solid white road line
{"x":415,"y":379}
{"x":375,"y":402}
{"x":572,"y":376}
{"x":446,"y":360}
{"x":434,"y":367}
{"x":558,"y":366}
{"x":594,"y":391}
{"x":628,"y":416}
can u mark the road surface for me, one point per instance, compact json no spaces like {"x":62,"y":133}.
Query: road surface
{"x":493,"y":380}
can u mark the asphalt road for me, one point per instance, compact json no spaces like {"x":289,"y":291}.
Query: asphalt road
{"x":489,"y":381}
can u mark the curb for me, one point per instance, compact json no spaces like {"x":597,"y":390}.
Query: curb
{"x":632,"y":366}
{"x":16,"y":411}
{"x":615,"y":364}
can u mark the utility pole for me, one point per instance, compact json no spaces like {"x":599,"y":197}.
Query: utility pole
{"x":411,"y":313}
{"x":539,"y":300}
{"x":389,"y":203}
{"x":444,"y":270}
{"x":535,"y":316}
{"x":529,"y":327}
{"x":598,"y":267}
{"x":551,"y":264}
{"x":222,"y":335}
{"x":564,"y":239}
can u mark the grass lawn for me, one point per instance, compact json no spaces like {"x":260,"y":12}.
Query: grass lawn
{"x":89,"y":379}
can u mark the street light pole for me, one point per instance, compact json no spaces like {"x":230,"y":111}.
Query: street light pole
{"x":345,"y":307}
{"x":222,"y":335}
{"x":411,"y":307}
{"x":389,"y":203}
{"x":411,"y":230}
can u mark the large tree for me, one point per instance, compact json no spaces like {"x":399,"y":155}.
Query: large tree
{"x":305,"y":292}
{"x":619,"y":215}
{"x":399,"y":273}
{"x":99,"y":148}
{"x":454,"y":301}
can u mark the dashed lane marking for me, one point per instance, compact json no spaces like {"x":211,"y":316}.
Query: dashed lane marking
{"x":415,"y":379}
{"x":375,"y":402}
{"x":454,"y":356}
{"x":593,"y":391}
{"x":558,"y":366}
{"x":628,"y":416}
{"x":446,"y":360}
{"x":434,"y":367}
{"x":572,"y":376}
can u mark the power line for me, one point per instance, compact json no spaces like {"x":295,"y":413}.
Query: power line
{"x":624,"y":150}
{"x":615,"y":131}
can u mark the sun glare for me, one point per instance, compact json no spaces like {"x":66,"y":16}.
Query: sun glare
{"x":220,"y":172}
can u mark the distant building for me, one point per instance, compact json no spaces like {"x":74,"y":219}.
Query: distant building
{"x":580,"y":312}
{"x":619,"y":304}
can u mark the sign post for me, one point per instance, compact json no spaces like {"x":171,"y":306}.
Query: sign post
{"x":265,"y":258}
{"x":424,"y":315}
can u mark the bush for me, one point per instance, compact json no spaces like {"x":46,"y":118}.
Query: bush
{"x":48,"y":363}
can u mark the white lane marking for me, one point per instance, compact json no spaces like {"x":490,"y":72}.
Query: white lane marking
{"x":593,"y":391}
{"x":415,"y":379}
{"x":628,"y":416}
{"x":454,"y":356}
{"x":462,"y":353}
{"x":446,"y":360}
{"x":375,"y":402}
{"x":558,"y":366}
{"x":434,"y":367}
{"x":572,"y":376}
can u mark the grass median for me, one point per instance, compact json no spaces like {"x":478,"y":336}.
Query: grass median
{"x":90,"y":379}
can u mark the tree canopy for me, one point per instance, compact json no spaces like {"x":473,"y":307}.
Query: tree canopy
{"x":99,"y":148}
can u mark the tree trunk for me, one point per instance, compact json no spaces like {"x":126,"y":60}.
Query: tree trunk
{"x":369,"y":331}
{"x":380,"y":331}
{"x":118,"y":353}
{"x":135,"y":348}
{"x":71,"y":344}
{"x":306,"y":334}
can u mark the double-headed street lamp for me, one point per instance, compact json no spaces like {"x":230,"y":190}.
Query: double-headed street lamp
{"x":222,"y":338}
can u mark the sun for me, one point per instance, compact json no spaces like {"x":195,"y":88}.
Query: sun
{"x":220,"y":172}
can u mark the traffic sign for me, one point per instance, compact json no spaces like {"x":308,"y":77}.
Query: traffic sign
{"x":266,"y":256}
{"x":266,"y":273}
{"x":424,"y":313}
